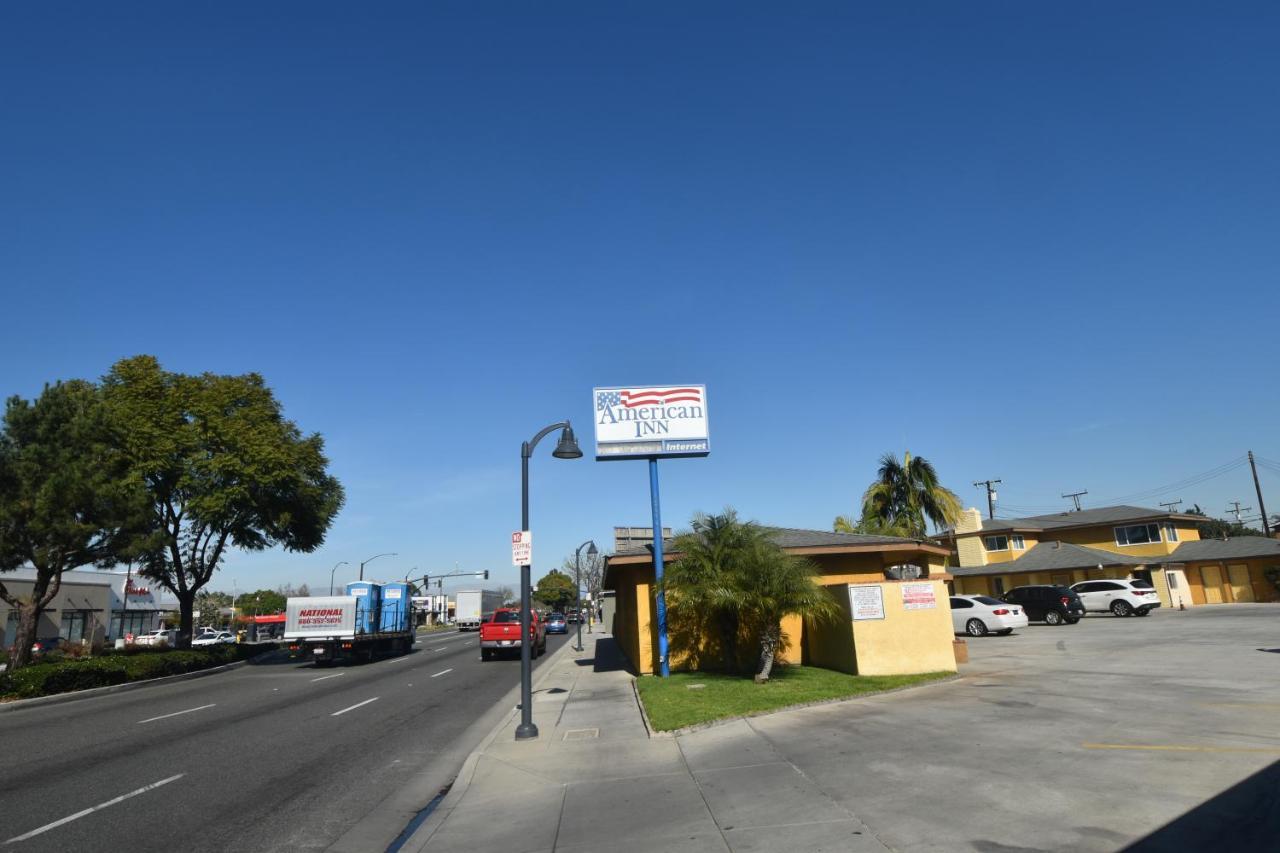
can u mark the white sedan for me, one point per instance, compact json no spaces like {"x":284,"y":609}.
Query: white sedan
{"x":213,"y":639}
{"x":979,"y":615}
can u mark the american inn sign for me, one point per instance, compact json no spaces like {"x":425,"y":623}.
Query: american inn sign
{"x":651,"y":421}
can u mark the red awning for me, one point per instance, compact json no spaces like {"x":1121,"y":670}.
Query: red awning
{"x":268,"y":620}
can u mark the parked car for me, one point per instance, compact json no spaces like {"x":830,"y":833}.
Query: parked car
{"x":557,"y":624}
{"x":502,"y":633}
{"x":214,"y":639}
{"x":44,"y":645}
{"x":1047,"y":603}
{"x":1121,"y":597}
{"x":978,"y":615}
{"x":157,"y":637}
{"x":572,"y":616}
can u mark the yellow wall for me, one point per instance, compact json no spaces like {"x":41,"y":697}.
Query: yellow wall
{"x":1226,"y":593}
{"x":973,"y":552}
{"x":904,"y":642}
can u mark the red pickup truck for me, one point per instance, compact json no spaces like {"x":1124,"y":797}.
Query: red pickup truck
{"x":502,"y":633}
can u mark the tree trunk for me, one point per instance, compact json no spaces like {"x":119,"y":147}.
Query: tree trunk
{"x":186,"y":618}
{"x":28,"y":618}
{"x":768,"y":647}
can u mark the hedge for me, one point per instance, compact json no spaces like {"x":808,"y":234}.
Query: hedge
{"x":45,"y":679}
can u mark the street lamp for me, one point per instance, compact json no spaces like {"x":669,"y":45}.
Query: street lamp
{"x":335,"y":568}
{"x":566,"y":448}
{"x":374,"y":557}
{"x":577,"y":579}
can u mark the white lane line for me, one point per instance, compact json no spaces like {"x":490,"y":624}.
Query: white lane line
{"x":353,"y":707}
{"x":323,"y":677}
{"x":442,"y":648}
{"x":443,"y":672}
{"x":402,"y":657}
{"x":177,"y":713}
{"x":120,"y":799}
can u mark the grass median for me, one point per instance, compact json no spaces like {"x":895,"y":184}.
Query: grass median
{"x":690,"y":698}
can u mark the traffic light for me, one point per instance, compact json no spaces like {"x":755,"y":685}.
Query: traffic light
{"x":486,"y":574}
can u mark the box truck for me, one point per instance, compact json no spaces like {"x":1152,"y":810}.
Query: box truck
{"x":371,"y":620}
{"x":473,"y":606}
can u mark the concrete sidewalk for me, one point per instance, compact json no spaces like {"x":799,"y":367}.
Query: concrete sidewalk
{"x":595,"y":780}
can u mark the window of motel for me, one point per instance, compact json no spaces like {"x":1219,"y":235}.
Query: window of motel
{"x":996,"y":543}
{"x":1138,"y":534}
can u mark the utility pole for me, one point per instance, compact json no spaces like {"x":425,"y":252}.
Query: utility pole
{"x":991,"y":496}
{"x":1075,"y":496}
{"x":1170,"y":506}
{"x":1266,"y":527}
{"x":1235,"y":509}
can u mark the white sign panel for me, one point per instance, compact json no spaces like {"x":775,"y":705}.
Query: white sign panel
{"x":652,"y":420}
{"x":918,"y":596}
{"x":522,"y":548}
{"x":320,"y":616}
{"x":866,"y":602}
{"x":391,"y":592}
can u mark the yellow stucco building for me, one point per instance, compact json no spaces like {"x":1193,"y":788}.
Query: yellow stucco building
{"x":905,"y":640}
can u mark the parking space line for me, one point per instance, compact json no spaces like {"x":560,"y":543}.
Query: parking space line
{"x":323,"y":677}
{"x":177,"y":713}
{"x":353,"y":707}
{"x":1174,"y":747}
{"x":442,"y":672}
{"x":120,"y":799}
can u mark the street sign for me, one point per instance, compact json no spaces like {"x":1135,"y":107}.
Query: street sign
{"x":522,"y":548}
{"x":651,"y":422}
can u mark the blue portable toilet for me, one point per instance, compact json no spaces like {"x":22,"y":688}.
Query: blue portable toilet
{"x":397,"y":607}
{"x":368,"y":605}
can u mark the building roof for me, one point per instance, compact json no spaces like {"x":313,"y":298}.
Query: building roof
{"x":792,"y":537}
{"x":1082,"y":518}
{"x":1236,"y":548}
{"x":1057,"y":556}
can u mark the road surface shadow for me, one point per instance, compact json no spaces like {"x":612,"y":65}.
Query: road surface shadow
{"x":1246,"y":816}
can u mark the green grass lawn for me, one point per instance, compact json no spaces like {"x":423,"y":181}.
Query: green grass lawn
{"x":676,"y":702}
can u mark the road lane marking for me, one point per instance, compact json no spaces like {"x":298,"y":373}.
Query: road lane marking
{"x":120,"y":799}
{"x":1173,"y":747}
{"x":353,"y":707}
{"x":444,"y":672}
{"x":402,"y":657}
{"x":177,"y":713}
{"x":442,"y":648}
{"x":323,"y":677}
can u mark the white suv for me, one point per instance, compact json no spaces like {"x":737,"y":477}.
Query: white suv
{"x":1121,"y":597}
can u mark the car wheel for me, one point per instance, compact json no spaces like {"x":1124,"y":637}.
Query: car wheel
{"x":1122,"y":608}
{"x":1072,"y":620}
{"x":1053,"y":617}
{"x":975,"y":628}
{"x":1006,"y":632}
{"x":1142,"y":612}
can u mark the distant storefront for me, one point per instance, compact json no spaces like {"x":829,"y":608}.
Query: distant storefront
{"x":138,"y":605}
{"x":78,"y":613}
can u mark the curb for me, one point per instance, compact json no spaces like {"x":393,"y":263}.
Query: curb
{"x":92,"y":692}
{"x":723,"y":721}
{"x":462,"y":781}
{"x":457,"y":782}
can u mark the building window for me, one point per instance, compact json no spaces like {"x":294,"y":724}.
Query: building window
{"x":996,"y":543}
{"x":1170,"y":532}
{"x":73,"y":623}
{"x":1138,"y":534}
{"x":997,"y":586}
{"x":1019,"y":544}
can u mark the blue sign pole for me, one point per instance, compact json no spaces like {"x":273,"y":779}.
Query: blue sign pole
{"x":664,"y":668}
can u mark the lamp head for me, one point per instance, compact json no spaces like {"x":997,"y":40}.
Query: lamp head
{"x":591,"y":550}
{"x":567,"y":448}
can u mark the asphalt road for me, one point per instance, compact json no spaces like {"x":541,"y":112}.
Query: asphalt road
{"x":269,"y":757}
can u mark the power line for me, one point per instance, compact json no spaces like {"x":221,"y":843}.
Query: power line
{"x":991,"y":495}
{"x":1170,"y":505}
{"x":1075,"y":497}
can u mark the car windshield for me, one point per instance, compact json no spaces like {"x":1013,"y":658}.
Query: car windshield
{"x":986,"y":599}
{"x":1141,"y":584}
{"x":556,"y":616}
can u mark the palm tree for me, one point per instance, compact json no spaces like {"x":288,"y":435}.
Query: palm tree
{"x":871,"y":526}
{"x":906,"y":493}
{"x":732,"y":579}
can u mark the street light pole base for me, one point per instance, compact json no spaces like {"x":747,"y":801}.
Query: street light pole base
{"x":526,"y":731}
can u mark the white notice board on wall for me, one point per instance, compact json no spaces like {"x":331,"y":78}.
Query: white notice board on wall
{"x":866,"y":602}
{"x":918,"y":596}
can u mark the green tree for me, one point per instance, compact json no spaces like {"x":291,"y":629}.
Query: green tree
{"x":209,"y":605}
{"x":556,"y":590}
{"x":1217,"y":528}
{"x":264,"y":601}
{"x":66,"y":499}
{"x":902,"y":498}
{"x":222,"y":467}
{"x":734,"y":580}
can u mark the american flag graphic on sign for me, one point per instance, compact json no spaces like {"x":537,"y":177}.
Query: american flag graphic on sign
{"x":660,"y":397}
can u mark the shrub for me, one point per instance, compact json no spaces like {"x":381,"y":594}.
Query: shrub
{"x":61,"y":676}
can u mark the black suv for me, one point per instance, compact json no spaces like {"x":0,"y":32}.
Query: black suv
{"x":1051,"y":604}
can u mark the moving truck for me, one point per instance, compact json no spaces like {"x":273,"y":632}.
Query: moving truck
{"x":473,"y":606}
{"x":361,"y":625}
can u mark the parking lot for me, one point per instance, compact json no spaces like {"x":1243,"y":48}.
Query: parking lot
{"x":1080,"y":737}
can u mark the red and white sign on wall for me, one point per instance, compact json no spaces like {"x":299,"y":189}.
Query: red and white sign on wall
{"x":918,"y":596}
{"x":522,"y":548}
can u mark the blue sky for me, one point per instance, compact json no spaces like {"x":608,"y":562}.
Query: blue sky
{"x":1027,"y":241}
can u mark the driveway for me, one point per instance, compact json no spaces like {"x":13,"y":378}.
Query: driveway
{"x":1080,"y":737}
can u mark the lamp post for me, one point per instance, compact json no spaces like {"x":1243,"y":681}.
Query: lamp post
{"x":374,"y":557}
{"x":567,"y":448}
{"x":577,"y":579}
{"x":335,"y":568}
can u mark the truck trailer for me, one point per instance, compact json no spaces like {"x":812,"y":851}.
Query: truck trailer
{"x":371,"y":620}
{"x":473,"y":606}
